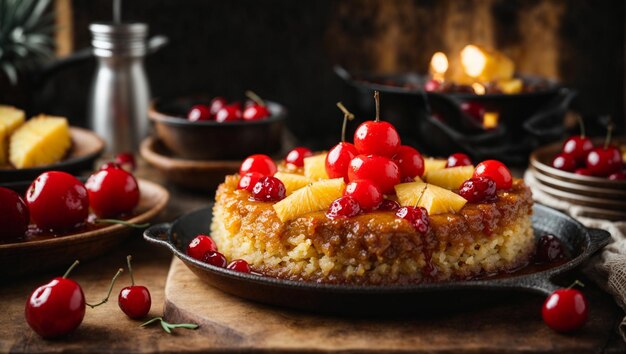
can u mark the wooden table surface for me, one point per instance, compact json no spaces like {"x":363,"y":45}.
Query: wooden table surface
{"x":507,"y":327}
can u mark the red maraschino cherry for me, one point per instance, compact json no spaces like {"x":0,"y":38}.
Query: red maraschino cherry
{"x":57,"y":201}
{"x":239,"y":265}
{"x":343,"y":207}
{"x":259,"y":163}
{"x":495,"y":170}
{"x":248,"y":181}
{"x":216,"y":104}
{"x":134,"y":300}
{"x":565,"y":310}
{"x":256,"y":111}
{"x":605,"y":160}
{"x":14,"y":215}
{"x":564,"y":162}
{"x":56,"y":308}
{"x":376,"y":137}
{"x":365,"y":192}
{"x":578,"y":146}
{"x":417,"y":216}
{"x":112,"y":192}
{"x":339,"y":157}
{"x":126,"y":160}
{"x":478,"y":190}
{"x":383,"y":172}
{"x":296,"y":156}
{"x":200,"y":245}
{"x":409,"y":161}
{"x":199,"y":113}
{"x":228,"y":113}
{"x":458,"y":159}
{"x":269,"y":189}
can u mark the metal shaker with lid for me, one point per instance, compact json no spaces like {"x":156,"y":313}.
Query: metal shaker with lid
{"x":120,"y":92}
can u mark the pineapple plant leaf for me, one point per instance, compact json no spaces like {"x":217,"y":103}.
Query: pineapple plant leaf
{"x":26,"y":30}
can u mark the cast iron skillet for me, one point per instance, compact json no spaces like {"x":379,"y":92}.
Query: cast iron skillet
{"x":580,"y":244}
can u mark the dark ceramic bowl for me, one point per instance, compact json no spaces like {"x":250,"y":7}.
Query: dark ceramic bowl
{"x":580,"y":244}
{"x":210,"y":140}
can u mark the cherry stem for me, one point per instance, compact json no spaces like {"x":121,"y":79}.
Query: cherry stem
{"x":609,"y":132}
{"x":421,"y":195}
{"x":256,"y":98}
{"x":347,"y":115}
{"x":377,"y":100}
{"x":130,"y":270}
{"x":167,"y":327}
{"x":122,"y":222}
{"x":576,"y":282}
{"x":104,"y":301}
{"x":581,"y":124}
{"x":67,"y":272}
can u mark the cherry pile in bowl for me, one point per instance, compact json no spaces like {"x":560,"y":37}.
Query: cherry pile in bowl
{"x":580,"y":156}
{"x":220,"y":110}
{"x":57,"y":203}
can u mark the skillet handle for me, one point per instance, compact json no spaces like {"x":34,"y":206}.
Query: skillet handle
{"x":598,"y":239}
{"x":158,"y":234}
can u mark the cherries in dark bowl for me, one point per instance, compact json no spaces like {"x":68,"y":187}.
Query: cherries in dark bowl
{"x":212,"y":139}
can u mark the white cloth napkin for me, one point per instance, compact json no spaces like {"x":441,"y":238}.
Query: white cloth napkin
{"x":608,"y":268}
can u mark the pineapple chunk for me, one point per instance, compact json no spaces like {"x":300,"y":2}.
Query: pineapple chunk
{"x":434,"y":199}
{"x":40,"y":141}
{"x":10,"y":119}
{"x":511,"y":86}
{"x":315,"y":167}
{"x":292,"y":181}
{"x":450,"y":178}
{"x":486,"y":64}
{"x":314,"y":197}
{"x":431,"y":164}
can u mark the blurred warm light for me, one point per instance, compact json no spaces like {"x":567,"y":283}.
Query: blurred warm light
{"x":439,"y":63}
{"x":490,"y":120}
{"x":478,"y":88}
{"x":473,"y":60}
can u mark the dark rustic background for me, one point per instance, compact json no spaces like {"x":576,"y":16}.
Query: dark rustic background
{"x":285,"y":50}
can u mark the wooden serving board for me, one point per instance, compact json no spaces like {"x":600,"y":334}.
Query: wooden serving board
{"x":230,"y":323}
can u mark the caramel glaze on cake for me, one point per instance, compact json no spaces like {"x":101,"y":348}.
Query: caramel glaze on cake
{"x":375,"y":247}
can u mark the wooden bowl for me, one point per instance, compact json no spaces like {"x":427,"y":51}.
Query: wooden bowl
{"x":17,"y":259}
{"x":86,"y":148}
{"x":210,"y":140}
{"x":193,"y":174}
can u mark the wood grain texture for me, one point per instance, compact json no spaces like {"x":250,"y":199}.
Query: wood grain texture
{"x":242,"y":325}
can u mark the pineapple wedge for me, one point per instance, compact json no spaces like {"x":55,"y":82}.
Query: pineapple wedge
{"x":292,"y":181}
{"x":10,"y":119}
{"x":315,"y":167}
{"x":434,"y":199}
{"x":314,"y":197}
{"x":40,"y":141}
{"x":431,"y":164}
{"x":450,"y":178}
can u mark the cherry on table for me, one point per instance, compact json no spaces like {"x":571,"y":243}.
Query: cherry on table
{"x":383,"y":172}
{"x":409,"y":161}
{"x":228,"y":113}
{"x":564,"y":162}
{"x":199,"y":113}
{"x":495,"y":170}
{"x":479,"y":190}
{"x":260,"y":163}
{"x":417,"y":216}
{"x":200,"y":245}
{"x":377,"y":137}
{"x":565,"y":310}
{"x":134,"y":300}
{"x":365,"y":192}
{"x":269,"y":189}
{"x":458,"y":159}
{"x":248,"y":180}
{"x":214,"y":258}
{"x":14,"y":215}
{"x":345,"y":206}
{"x":112,"y":192}
{"x":239,"y":265}
{"x":57,"y":201}
{"x":296,"y":156}
{"x":56,"y":308}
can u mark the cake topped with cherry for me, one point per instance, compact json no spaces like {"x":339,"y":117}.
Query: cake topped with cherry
{"x":373,"y":211}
